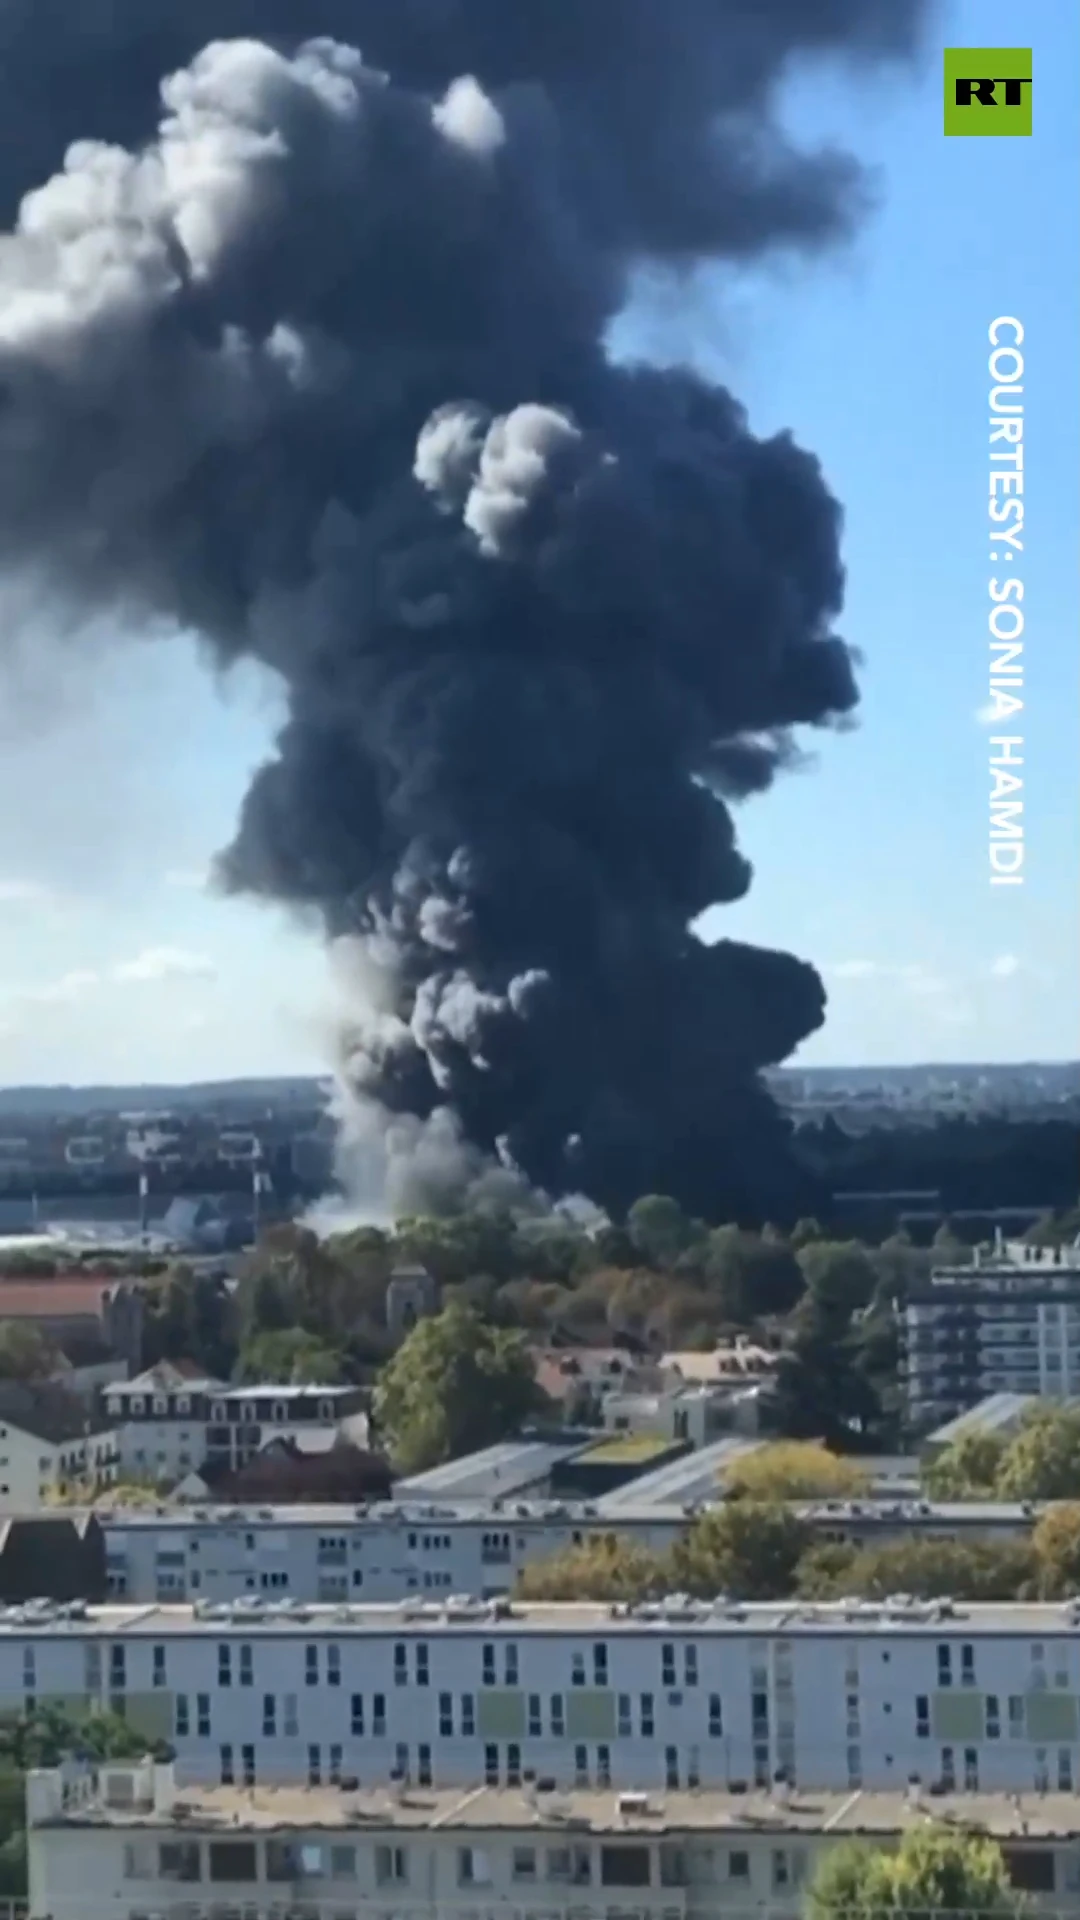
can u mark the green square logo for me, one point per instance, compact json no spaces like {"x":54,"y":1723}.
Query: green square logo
{"x":988,"y":90}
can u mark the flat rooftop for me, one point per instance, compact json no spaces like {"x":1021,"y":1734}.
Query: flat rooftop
{"x":257,"y":1617}
{"x":414,"y":1512}
{"x":496,"y":1472}
{"x":1022,"y":1817}
{"x":696,"y":1476}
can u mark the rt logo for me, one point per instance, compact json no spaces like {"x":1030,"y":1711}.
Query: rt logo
{"x":987,"y":90}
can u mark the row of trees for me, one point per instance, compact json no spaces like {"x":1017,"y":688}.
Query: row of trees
{"x":1039,"y":1461}
{"x":759,"y":1550}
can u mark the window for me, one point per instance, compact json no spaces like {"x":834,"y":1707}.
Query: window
{"x":491,"y":1766}
{"x":487,"y":1661}
{"x":967,"y":1664}
{"x":738,"y":1864}
{"x":139,"y":1861}
{"x":523,"y":1863}
{"x":224,"y":1665}
{"x":247,"y":1766}
{"x":356,"y":1716}
{"x":311,"y":1666}
{"x":473,"y":1868}
{"x":513,"y":1764}
{"x":1016,"y":1716}
{"x":391,"y":1866}
{"x":624,"y":1866}
{"x":226,"y":1763}
{"x":378,"y":1716}
{"x":944,"y":1665}
{"x":558,"y":1716}
{"x":179,"y":1860}
{"x":343,"y":1863}
{"x":314,"y":1766}
{"x":922,"y":1716}
{"x":1030,"y":1871}
{"x":667,"y":1666}
{"x":181,"y":1723}
{"x":971,"y":1770}
{"x":333,"y":1666}
{"x":401,"y":1761}
{"x":401,"y":1664}
{"x":117,"y":1669}
{"x":690,"y":1666}
{"x":581,"y":1766}
{"x":291,"y":1725}
{"x":202,"y":1713}
{"x":671,"y":1768}
{"x":577,"y":1670}
{"x":247,"y":1670}
{"x":534,"y":1725}
{"x":600,"y":1664}
{"x":423,"y":1765}
{"x":948,"y":1769}
{"x":269,"y":1717}
{"x":1065,"y":1770}
{"x":625,"y":1722}
{"x":781,"y":1869}
{"x":232,"y":1860}
{"x":336,"y":1757}
{"x":716,"y":1718}
{"x":647,"y":1723}
{"x":603,"y":1766}
{"x":569,"y":1865}
{"x":423,"y":1670}
{"x":993,"y":1717}
{"x":510,"y":1665}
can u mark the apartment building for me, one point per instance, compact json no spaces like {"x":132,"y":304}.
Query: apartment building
{"x":173,"y":1419}
{"x":127,"y":1840}
{"x":48,"y":1443}
{"x":389,"y":1550}
{"x":666,"y":1697}
{"x":1007,"y":1324}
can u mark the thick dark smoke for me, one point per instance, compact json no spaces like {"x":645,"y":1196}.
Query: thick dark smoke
{"x":303,"y":347}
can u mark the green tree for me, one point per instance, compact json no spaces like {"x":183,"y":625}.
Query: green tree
{"x":746,"y":1548}
{"x":751,"y":1275}
{"x":967,"y":1468}
{"x":1055,"y":1543}
{"x":840,"y":1274}
{"x":794,"y":1470}
{"x":25,"y":1354}
{"x":42,"y":1739}
{"x":984,"y":1570}
{"x":659,"y":1229}
{"x":454,"y":1384}
{"x":934,"y":1871}
{"x":291,"y":1356}
{"x":1042,"y":1460}
{"x":606,"y":1567}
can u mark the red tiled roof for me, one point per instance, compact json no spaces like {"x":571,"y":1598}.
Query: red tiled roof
{"x":52,"y":1298}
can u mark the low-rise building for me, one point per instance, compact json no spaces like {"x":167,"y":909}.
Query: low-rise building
{"x":49,"y":1444}
{"x":174,"y":1419}
{"x":78,"y":1307}
{"x":128,"y":1840}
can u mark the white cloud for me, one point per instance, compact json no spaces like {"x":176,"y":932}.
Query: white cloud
{"x":165,"y":963}
{"x":70,"y":986}
{"x":17,"y":893}
{"x":1005,"y":966}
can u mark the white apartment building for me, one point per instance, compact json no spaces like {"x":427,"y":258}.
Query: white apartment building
{"x":386,"y":1551}
{"x":127,"y":1841}
{"x":666,"y":1697}
{"x":48,"y":1444}
{"x":171,"y":1420}
{"x":1007,"y":1324}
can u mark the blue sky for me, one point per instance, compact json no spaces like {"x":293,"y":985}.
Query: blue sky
{"x":118,"y":780}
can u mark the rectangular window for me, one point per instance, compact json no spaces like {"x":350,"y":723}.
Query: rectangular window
{"x":423,"y":1765}
{"x":117,"y":1669}
{"x":224,"y":1665}
{"x":401,"y":1761}
{"x":647,"y":1716}
{"x":967,"y":1664}
{"x":558,"y":1716}
{"x":247,"y":1667}
{"x":577,"y":1670}
{"x":487,"y":1664}
{"x":993,"y":1717}
{"x":581,"y":1766}
{"x":603,"y":1766}
{"x":446,"y":1716}
{"x":523,"y":1863}
{"x":491,"y":1766}
{"x":311,"y":1666}
{"x":971,"y":1770}
{"x":290,"y":1716}
{"x":378,"y":1716}
{"x":922,"y":1716}
{"x":944,"y":1664}
{"x":625,"y":1722}
{"x":233,"y":1861}
{"x":181,"y":1722}
{"x":1065,"y":1770}
{"x":356,"y":1716}
{"x":391,"y":1867}
{"x":336,"y":1756}
{"x":423,"y":1670}
{"x":716,"y":1718}
{"x":468,"y":1715}
{"x":690,"y":1666}
{"x":671,"y":1768}
{"x":668,"y":1676}
{"x":247,"y":1766}
{"x":159,"y":1676}
{"x":534,"y":1724}
{"x":948,"y":1769}
{"x":510,"y":1665}
{"x":228,"y":1775}
{"x":333,"y":1666}
{"x":202,"y":1712}
{"x":401,"y":1664}
{"x":513,"y":1764}
{"x":600,"y":1664}
{"x":314,"y":1766}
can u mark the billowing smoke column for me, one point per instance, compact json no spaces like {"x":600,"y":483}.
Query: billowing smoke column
{"x":302,"y":346}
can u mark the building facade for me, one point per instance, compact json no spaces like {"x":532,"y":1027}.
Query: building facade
{"x":171,"y":1423}
{"x":659,"y":1698}
{"x":48,"y":1445}
{"x":1009,"y":1325}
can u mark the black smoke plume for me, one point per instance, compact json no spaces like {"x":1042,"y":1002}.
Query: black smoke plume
{"x":302,"y":345}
